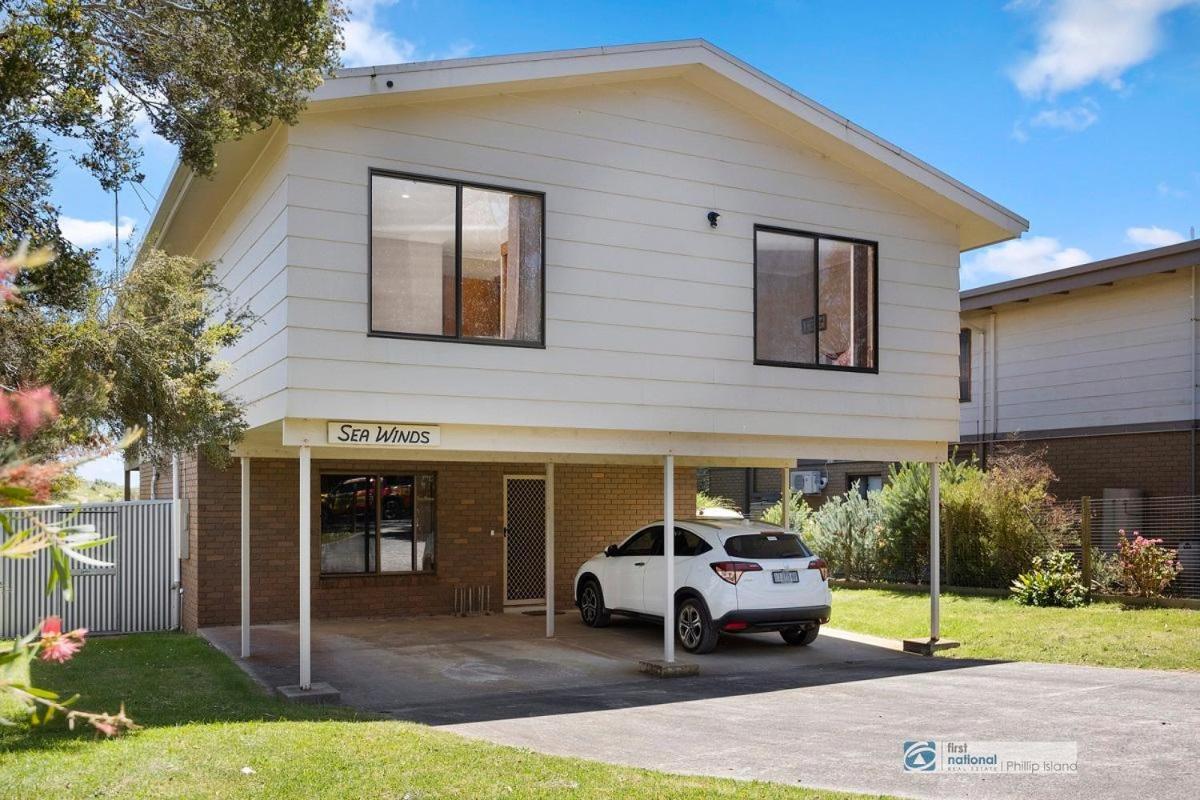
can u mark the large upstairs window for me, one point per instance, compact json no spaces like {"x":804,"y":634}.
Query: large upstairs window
{"x":451,"y":260}
{"x":815,"y":300}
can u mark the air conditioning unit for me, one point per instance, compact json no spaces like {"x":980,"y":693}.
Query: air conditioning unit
{"x":808,"y":481}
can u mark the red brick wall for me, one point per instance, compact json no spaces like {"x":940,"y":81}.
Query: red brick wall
{"x":594,"y":506}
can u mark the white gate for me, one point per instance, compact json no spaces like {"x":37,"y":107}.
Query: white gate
{"x":134,"y":594}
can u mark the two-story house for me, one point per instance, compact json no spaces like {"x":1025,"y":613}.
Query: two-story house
{"x":507,"y":306}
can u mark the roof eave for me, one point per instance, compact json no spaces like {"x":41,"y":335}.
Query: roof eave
{"x":1096,"y":273}
{"x":980,"y":220}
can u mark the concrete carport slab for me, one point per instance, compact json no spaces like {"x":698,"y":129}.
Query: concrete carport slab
{"x":442,"y":670}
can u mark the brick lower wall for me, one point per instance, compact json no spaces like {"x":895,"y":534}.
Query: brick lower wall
{"x":594,"y":506}
{"x":1157,"y":463}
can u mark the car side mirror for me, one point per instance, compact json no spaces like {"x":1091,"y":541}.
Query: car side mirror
{"x":610,"y":551}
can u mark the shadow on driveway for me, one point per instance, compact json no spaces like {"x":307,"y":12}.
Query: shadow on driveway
{"x":451,"y":670}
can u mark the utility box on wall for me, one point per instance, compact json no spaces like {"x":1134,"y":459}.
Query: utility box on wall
{"x":808,"y":481}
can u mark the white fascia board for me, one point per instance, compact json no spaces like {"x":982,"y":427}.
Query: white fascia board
{"x":501,"y":443}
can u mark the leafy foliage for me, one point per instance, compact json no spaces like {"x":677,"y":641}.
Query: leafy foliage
{"x":993,"y":523}
{"x":1147,"y":568}
{"x":142,"y":355}
{"x":847,"y":531}
{"x":1054,"y":580}
{"x":196,"y":72}
{"x":134,"y":350}
{"x":706,"y":500}
{"x":1106,"y":572}
{"x":799,"y":513}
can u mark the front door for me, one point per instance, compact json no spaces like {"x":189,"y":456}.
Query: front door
{"x":524,"y":539}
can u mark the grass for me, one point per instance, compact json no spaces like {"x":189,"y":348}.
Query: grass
{"x":205,"y":722}
{"x":1102,"y":634}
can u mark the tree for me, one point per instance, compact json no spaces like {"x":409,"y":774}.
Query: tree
{"x":136,"y":347}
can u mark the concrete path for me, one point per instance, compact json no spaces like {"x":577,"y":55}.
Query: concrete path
{"x":832,"y":715}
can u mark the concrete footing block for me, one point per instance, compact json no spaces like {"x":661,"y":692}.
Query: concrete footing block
{"x":317,"y":694}
{"x":675,"y":669}
{"x":927,"y":647}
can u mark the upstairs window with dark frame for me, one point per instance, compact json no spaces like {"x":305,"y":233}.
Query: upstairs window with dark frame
{"x":815,"y":300}
{"x":451,"y":260}
{"x":964,"y":365}
{"x":373,"y":524}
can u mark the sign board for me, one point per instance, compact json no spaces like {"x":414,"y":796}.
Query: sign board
{"x":383,"y":434}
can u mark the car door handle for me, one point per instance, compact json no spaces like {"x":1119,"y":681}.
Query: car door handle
{"x":639,"y":563}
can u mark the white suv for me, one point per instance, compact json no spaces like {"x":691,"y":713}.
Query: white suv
{"x":731,"y":576}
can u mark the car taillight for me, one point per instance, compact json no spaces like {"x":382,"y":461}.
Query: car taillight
{"x":731,"y":571}
{"x":819,"y":563}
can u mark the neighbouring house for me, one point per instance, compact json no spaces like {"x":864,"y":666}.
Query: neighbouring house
{"x":1092,"y":365}
{"x":505,"y":304}
{"x":1096,"y":366}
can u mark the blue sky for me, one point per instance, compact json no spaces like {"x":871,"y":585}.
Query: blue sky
{"x":1081,"y":115}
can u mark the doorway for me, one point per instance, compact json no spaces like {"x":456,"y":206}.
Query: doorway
{"x":524,"y":540}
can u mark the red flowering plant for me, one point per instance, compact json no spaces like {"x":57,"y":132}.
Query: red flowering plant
{"x":1147,"y":568}
{"x":24,"y":411}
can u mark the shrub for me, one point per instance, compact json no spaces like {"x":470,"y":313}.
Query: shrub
{"x":799,"y":514}
{"x":994,"y":522}
{"x":1147,"y":568}
{"x":845,"y":531}
{"x":706,"y":500}
{"x":1054,"y":580}
{"x":1106,"y":572}
{"x":904,"y":503}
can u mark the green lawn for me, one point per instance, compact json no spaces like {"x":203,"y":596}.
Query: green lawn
{"x":205,"y":722}
{"x":1102,"y":634}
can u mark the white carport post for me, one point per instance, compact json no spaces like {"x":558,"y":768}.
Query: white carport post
{"x":245,"y":557}
{"x":549,"y":495}
{"x":177,"y":535}
{"x":935,"y":554}
{"x":669,"y":558}
{"x":305,"y":567}
{"x":785,"y":499}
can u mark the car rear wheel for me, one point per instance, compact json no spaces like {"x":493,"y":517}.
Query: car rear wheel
{"x":591,"y":605}
{"x":799,"y":637}
{"x":694,"y":626}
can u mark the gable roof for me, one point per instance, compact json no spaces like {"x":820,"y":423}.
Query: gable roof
{"x":980,"y":221}
{"x":1096,"y":273}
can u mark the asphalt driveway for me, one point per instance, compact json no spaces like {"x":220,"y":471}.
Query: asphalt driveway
{"x":832,"y":715}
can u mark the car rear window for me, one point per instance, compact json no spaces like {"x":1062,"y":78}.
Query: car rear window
{"x":766,"y":545}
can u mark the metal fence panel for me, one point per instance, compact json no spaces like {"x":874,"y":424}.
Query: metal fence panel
{"x":133,"y":595}
{"x":1174,"y":520}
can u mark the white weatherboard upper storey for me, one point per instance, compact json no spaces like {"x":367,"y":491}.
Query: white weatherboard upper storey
{"x":649,"y":311}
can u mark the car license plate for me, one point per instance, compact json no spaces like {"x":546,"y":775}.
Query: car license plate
{"x":785,"y":576}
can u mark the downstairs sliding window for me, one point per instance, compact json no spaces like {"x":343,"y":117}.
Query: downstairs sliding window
{"x":373,"y":524}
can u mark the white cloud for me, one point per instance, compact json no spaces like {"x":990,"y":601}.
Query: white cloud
{"x":1167,"y":190}
{"x":1154,"y":236}
{"x":1074,"y":119}
{"x":89,"y":233}
{"x":1082,"y":41}
{"x":1019,"y":258}
{"x":368,"y":43}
